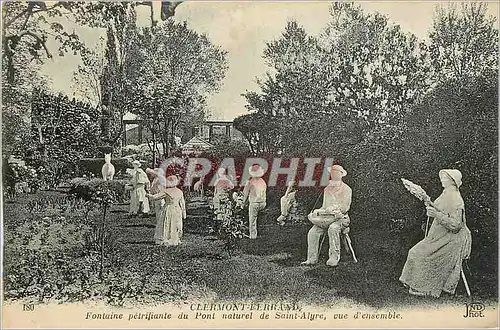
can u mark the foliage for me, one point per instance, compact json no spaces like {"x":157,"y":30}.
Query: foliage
{"x":21,"y":173}
{"x":102,"y":194}
{"x":63,"y":131}
{"x":465,"y":42}
{"x":26,"y":28}
{"x":15,"y":128}
{"x":46,"y":247}
{"x":87,"y":77}
{"x":357,"y":76}
{"x":50,"y":254}
{"x":98,"y":191}
{"x":16,"y":102}
{"x":179,"y":67}
{"x":228,"y":222}
{"x":225,"y":147}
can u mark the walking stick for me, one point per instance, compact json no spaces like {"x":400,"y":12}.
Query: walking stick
{"x":465,"y":282}
{"x":348,"y":239}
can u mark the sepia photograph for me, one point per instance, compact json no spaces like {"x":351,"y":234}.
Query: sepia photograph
{"x":249,"y":164}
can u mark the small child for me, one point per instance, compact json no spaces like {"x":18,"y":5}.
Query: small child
{"x":287,"y":201}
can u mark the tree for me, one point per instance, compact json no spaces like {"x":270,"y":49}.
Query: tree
{"x":464,"y":43}
{"x":289,"y":92}
{"x":378,"y":69}
{"x":26,"y":27}
{"x":179,"y":68}
{"x":87,"y":78}
{"x":62,"y":132}
{"x":16,"y":103}
{"x":357,"y":77}
{"x":123,"y":59}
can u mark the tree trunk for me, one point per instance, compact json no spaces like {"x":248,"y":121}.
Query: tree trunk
{"x":102,"y":242}
{"x":153,"y":147}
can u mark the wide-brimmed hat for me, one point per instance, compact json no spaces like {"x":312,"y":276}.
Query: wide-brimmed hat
{"x":171,"y":181}
{"x":256,"y":171}
{"x":455,"y":175}
{"x":337,"y":167}
{"x":136,"y":162}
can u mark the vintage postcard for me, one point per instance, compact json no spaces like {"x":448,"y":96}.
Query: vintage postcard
{"x":249,"y":164}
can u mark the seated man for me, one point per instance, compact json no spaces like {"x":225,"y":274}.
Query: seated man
{"x":337,"y":199}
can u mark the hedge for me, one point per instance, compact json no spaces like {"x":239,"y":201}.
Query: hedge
{"x":85,"y":189}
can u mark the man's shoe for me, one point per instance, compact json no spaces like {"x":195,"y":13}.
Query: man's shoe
{"x":308,"y":263}
{"x":281,"y":220}
{"x":416,"y":293}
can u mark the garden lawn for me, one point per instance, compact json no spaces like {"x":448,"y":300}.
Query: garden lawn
{"x":267,"y":268}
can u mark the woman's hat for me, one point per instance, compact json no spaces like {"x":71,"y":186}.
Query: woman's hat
{"x":221,"y":171}
{"x":337,"y":167}
{"x":152,"y":171}
{"x":136,"y":162}
{"x":256,"y":171}
{"x":455,"y":175}
{"x":171,"y":181}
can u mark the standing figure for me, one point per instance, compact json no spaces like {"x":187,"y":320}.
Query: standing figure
{"x":169,"y":228}
{"x":157,"y":186}
{"x":337,"y":200}
{"x":222,"y":186}
{"x":255,"y":191}
{"x":198,"y":186}
{"x":140,"y":184}
{"x":108,"y":169}
{"x":434,"y":264}
{"x":286,"y":203}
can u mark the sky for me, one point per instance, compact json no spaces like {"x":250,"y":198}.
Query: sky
{"x":242,"y":28}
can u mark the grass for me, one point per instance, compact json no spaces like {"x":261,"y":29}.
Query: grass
{"x":268,"y":268}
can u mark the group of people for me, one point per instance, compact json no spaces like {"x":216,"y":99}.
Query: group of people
{"x":168,"y":201}
{"x":433,"y":265}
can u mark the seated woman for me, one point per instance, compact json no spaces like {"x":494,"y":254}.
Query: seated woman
{"x":434,"y":264}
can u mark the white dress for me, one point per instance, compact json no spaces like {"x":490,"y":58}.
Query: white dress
{"x":169,"y":222}
{"x":140,"y":183}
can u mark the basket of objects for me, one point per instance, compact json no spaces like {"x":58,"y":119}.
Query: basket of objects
{"x":323,"y":218}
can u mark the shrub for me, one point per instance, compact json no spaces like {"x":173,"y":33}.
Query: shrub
{"x":228,"y":222}
{"x":43,"y":257}
{"x":87,"y":190}
{"x":50,"y":171}
{"x":16,"y":173}
{"x":455,"y":126}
